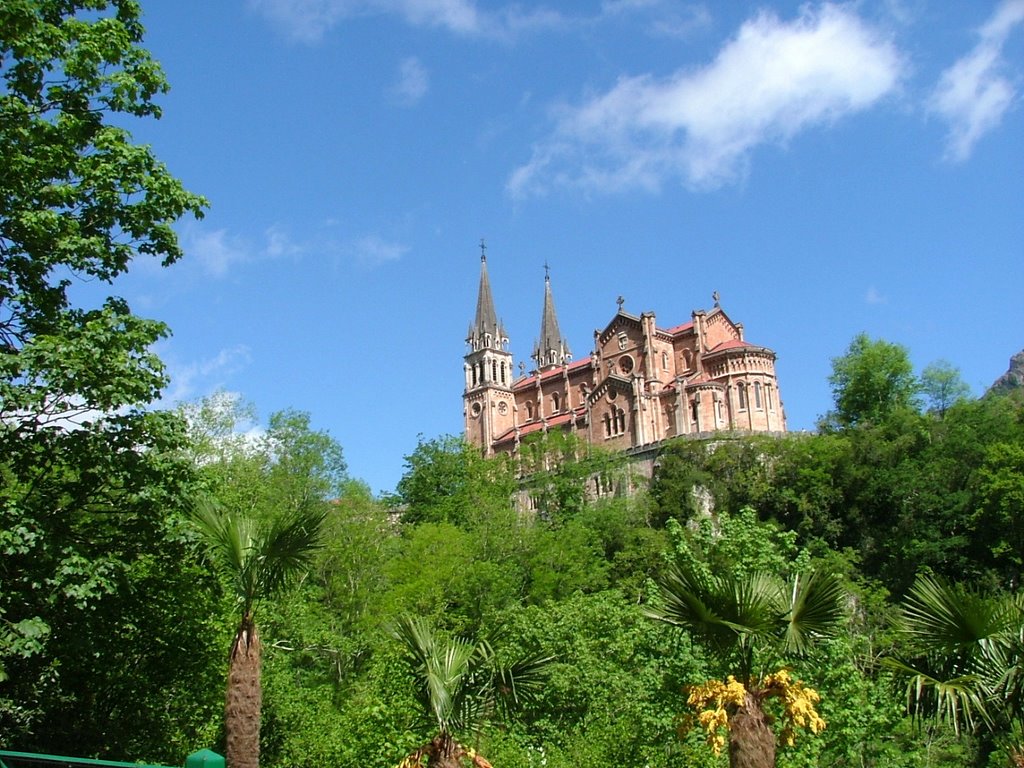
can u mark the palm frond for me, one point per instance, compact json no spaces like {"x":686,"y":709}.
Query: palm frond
{"x":815,"y":610}
{"x":751,"y":603}
{"x":938,"y":615}
{"x":958,"y":700}
{"x":257,"y":559}
{"x":463,"y":684}
{"x":286,"y":546}
{"x":689,"y":600}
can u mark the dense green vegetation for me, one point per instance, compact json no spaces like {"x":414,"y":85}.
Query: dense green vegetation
{"x":443,"y":621}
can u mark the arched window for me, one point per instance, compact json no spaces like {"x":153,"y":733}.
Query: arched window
{"x":768,"y":397}
{"x":664,"y":361}
{"x":620,"y":421}
{"x":555,"y":403}
{"x":502,"y":371}
{"x":529,"y":411}
{"x":757,"y":394}
{"x":607,"y":425}
{"x":742,"y":387}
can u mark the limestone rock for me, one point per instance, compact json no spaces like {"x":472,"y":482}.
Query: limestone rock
{"x":1013,"y":378}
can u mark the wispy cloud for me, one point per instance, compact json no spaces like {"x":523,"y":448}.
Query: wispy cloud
{"x":974,"y":93}
{"x":372,"y":251}
{"x":874,"y":296}
{"x":218,"y":251}
{"x":412,"y":84}
{"x":308,"y":20}
{"x":667,"y":18}
{"x":773,"y":80}
{"x":200,"y":377}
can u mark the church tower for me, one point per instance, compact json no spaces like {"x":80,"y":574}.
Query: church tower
{"x":551,"y":350}
{"x":488,"y":403}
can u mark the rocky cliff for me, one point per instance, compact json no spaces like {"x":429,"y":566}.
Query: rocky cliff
{"x":1013,"y":378}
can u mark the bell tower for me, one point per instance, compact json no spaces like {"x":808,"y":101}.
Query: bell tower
{"x":488,"y":403}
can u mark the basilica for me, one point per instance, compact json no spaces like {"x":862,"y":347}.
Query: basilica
{"x":640,"y":384}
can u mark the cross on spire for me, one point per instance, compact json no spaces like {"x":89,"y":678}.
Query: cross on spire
{"x":483,"y":250}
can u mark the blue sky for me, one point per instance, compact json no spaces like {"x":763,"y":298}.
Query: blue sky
{"x":827,"y":168}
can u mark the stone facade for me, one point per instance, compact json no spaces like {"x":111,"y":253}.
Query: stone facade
{"x":640,"y":384}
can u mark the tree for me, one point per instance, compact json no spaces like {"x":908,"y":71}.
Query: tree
{"x":461,"y":687}
{"x":92,"y":481}
{"x":869,"y":382}
{"x":964,"y":659}
{"x":447,"y":480}
{"x":258,"y":558}
{"x":727,"y":589}
{"x":739,"y":618}
{"x":943,"y":387}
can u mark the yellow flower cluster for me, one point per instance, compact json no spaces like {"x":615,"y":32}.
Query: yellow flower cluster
{"x":713,"y":700}
{"x":710,"y":699}
{"x":798,"y":704}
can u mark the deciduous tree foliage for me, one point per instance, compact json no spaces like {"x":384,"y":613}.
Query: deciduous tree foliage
{"x":101,"y":617}
{"x":873,"y":379}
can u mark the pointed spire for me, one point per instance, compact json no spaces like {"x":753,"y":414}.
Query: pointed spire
{"x":485,"y":330}
{"x":551,"y":349}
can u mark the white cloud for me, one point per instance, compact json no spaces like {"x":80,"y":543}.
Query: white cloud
{"x":308,"y":20}
{"x":217,"y":252}
{"x":874,"y":296}
{"x":975,"y":92}
{"x":372,"y":251}
{"x":198,"y":377}
{"x":773,"y":80}
{"x":413,"y":83}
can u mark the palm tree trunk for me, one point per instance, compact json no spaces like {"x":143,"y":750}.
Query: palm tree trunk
{"x":244,"y":698}
{"x":751,"y":739}
{"x":445,"y":752}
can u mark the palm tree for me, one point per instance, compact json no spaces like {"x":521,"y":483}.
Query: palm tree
{"x":258,"y":558}
{"x":462,"y":688}
{"x":964,"y":659}
{"x":740,"y":618}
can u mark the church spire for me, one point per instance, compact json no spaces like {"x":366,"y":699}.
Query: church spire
{"x":551,"y":349}
{"x":485,"y":331}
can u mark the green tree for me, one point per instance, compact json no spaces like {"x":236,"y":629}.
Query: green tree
{"x":561,"y":473}
{"x":871,"y":381}
{"x":727,"y":587}
{"x":258,"y":558}
{"x":447,"y":480}
{"x":461,"y":686}
{"x":739,"y":618}
{"x":943,"y":387}
{"x":91,"y":481}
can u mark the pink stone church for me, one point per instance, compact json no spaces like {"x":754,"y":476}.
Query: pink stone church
{"x":640,"y":385}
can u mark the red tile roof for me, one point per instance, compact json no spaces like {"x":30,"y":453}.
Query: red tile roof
{"x":529,"y":428}
{"x":553,"y":372}
{"x":680,"y":328}
{"x":730,"y":344}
